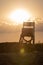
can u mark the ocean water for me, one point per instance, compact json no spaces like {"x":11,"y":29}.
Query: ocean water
{"x":39,"y":37}
{"x":14,"y":37}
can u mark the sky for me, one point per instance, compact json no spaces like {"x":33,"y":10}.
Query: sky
{"x":10,"y":32}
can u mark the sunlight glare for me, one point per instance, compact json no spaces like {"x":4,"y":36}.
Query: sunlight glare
{"x":22,"y":51}
{"x":19,"y":16}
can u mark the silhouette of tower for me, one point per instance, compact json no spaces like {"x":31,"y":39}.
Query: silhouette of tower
{"x":28,"y":30}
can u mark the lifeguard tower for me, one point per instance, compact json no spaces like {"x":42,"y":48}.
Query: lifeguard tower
{"x":28,"y":30}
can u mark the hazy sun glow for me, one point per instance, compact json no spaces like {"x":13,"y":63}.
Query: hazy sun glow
{"x":19,"y":16}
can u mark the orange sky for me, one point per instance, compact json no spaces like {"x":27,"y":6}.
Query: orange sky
{"x":7,"y":6}
{"x":34,"y":6}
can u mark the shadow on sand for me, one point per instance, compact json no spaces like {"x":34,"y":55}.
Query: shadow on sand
{"x":10,"y":54}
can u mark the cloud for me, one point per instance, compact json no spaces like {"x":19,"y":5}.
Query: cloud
{"x":6,"y":27}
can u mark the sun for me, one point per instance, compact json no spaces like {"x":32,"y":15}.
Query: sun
{"x":18,"y":16}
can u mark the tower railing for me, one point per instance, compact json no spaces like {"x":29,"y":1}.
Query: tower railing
{"x":28,"y":30}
